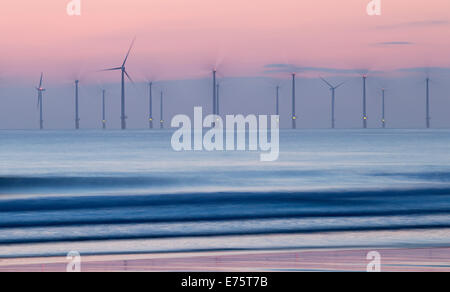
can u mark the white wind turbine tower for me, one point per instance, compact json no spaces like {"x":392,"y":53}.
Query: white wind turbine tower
{"x":428,"y":115}
{"x":150,"y":103}
{"x":275,"y":85}
{"x":100,"y":89}
{"x":277,"y":101}
{"x":294,"y":96}
{"x":364,"y":77}
{"x":333,"y":100}
{"x":294,"y":116}
{"x":384,"y":89}
{"x":151,"y":88}
{"x":212,"y":69}
{"x":292,"y":70}
{"x":104,"y":109}
{"x":428,"y":82}
{"x":77,"y":111}
{"x":214,"y":77}
{"x":151,"y":84}
{"x":124,"y":72}
{"x":215,"y":89}
{"x":75,"y":80}
{"x":40,"y":91}
{"x":219,"y":85}
{"x":216,"y":94}
{"x":218,"y":99}
{"x":161,"y":108}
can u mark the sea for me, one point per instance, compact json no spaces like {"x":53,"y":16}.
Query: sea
{"x":124,"y":192}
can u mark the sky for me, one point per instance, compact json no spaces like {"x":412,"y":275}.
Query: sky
{"x":253,"y":44}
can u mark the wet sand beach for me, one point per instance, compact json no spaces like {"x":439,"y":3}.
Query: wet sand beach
{"x":320,"y":260}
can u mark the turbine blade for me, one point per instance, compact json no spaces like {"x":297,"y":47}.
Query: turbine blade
{"x":128,"y":54}
{"x":323,"y":79}
{"x":126,"y":73}
{"x":339,"y":85}
{"x":111,"y":69}
{"x":40,"y":82}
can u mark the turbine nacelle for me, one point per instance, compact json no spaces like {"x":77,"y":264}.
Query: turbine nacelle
{"x":39,"y":87}
{"x":332,"y":87}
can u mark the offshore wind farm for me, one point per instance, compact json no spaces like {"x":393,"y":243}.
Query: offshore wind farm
{"x":215,"y":104}
{"x":90,"y":110}
{"x":277,"y":72}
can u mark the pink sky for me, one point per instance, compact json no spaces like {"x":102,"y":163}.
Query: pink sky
{"x":188,"y":36}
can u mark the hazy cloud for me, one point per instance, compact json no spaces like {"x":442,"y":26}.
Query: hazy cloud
{"x":412,"y":24}
{"x":288,"y":68}
{"x":426,"y":70}
{"x":395,"y":43}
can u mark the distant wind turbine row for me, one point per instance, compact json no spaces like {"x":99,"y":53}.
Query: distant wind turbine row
{"x":216,"y":99}
{"x":216,"y":102}
{"x":365,"y":117}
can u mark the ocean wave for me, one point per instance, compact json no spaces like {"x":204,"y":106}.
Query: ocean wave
{"x":188,"y":234}
{"x":118,"y":212}
{"x":216,"y":218}
{"x":134,"y":209}
{"x":323,"y":199}
{"x":103,"y":181}
{"x":79,"y":182}
{"x":440,"y":176}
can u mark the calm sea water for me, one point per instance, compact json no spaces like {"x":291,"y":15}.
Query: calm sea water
{"x":127,"y":192}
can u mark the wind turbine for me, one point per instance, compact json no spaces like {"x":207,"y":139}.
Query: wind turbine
{"x":77,"y":113}
{"x":219,"y":86}
{"x":364,"y":77}
{"x":218,"y":99}
{"x":292,"y":70}
{"x":75,"y":80}
{"x":40,"y":91}
{"x":428,"y":116}
{"x":162,"y":110}
{"x":274,"y":84}
{"x":383,"y":110}
{"x":277,"y":99}
{"x":214,"y":72}
{"x":150,"y":101}
{"x":216,"y":93}
{"x":294,"y":117}
{"x":124,"y":72}
{"x":333,"y":100}
{"x":104,"y":109}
